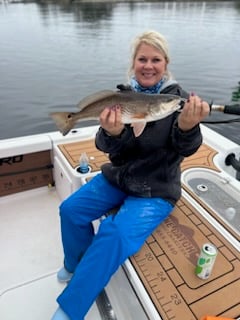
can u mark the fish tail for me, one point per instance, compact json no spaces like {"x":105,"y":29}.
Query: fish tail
{"x":65,"y":121}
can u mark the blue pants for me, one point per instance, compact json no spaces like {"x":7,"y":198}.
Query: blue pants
{"x":119,"y":236}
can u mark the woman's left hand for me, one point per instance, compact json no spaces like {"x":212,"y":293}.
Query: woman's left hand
{"x":193,"y":112}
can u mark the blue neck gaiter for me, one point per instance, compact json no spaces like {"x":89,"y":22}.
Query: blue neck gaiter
{"x":154,"y":89}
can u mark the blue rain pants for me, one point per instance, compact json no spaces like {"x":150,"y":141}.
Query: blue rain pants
{"x":95,"y":258}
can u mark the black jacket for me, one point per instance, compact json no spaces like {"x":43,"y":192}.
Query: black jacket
{"x":149,"y":165}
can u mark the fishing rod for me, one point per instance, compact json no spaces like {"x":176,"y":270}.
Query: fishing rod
{"x":228,"y":109}
{"x":221,"y":121}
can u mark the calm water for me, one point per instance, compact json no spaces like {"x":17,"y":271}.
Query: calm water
{"x":52,"y":55}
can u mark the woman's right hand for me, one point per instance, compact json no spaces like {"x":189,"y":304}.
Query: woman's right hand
{"x":111,"y":120}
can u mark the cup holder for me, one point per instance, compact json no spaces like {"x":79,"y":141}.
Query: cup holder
{"x":83,"y":170}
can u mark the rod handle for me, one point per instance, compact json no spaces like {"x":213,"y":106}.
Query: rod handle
{"x":233,"y":109}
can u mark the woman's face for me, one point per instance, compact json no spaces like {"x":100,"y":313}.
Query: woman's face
{"x":149,"y":65}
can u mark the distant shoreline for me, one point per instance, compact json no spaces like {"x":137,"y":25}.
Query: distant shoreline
{"x":104,"y":1}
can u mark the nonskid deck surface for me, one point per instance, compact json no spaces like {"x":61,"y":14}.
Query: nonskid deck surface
{"x":166,"y":266}
{"x":167,"y":260}
{"x":31,"y":255}
{"x":72,"y":152}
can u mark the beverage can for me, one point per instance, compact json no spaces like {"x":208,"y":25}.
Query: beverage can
{"x":206,"y":261}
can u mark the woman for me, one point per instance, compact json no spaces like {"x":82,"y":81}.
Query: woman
{"x":142,"y":179}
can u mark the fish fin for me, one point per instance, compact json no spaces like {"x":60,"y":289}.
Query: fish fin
{"x":95,"y":97}
{"x":138,"y":128}
{"x":64,"y":121}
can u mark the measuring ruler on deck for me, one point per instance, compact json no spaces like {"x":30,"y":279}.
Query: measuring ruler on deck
{"x":164,"y":294}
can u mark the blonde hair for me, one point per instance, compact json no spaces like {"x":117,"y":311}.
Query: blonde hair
{"x":152,"y":38}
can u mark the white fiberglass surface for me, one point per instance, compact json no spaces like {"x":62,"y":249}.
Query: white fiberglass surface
{"x":219,"y":191}
{"x":31,"y":254}
{"x":29,"y":236}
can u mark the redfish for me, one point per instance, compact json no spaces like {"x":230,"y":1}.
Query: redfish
{"x":136,"y":109}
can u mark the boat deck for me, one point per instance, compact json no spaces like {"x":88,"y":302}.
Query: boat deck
{"x":166,"y":266}
{"x":162,"y":273}
{"x":31,"y":255}
{"x":166,"y":262}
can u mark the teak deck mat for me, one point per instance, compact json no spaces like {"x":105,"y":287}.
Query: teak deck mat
{"x":24,"y":172}
{"x":72,"y":152}
{"x":202,"y":158}
{"x":166,"y":262}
